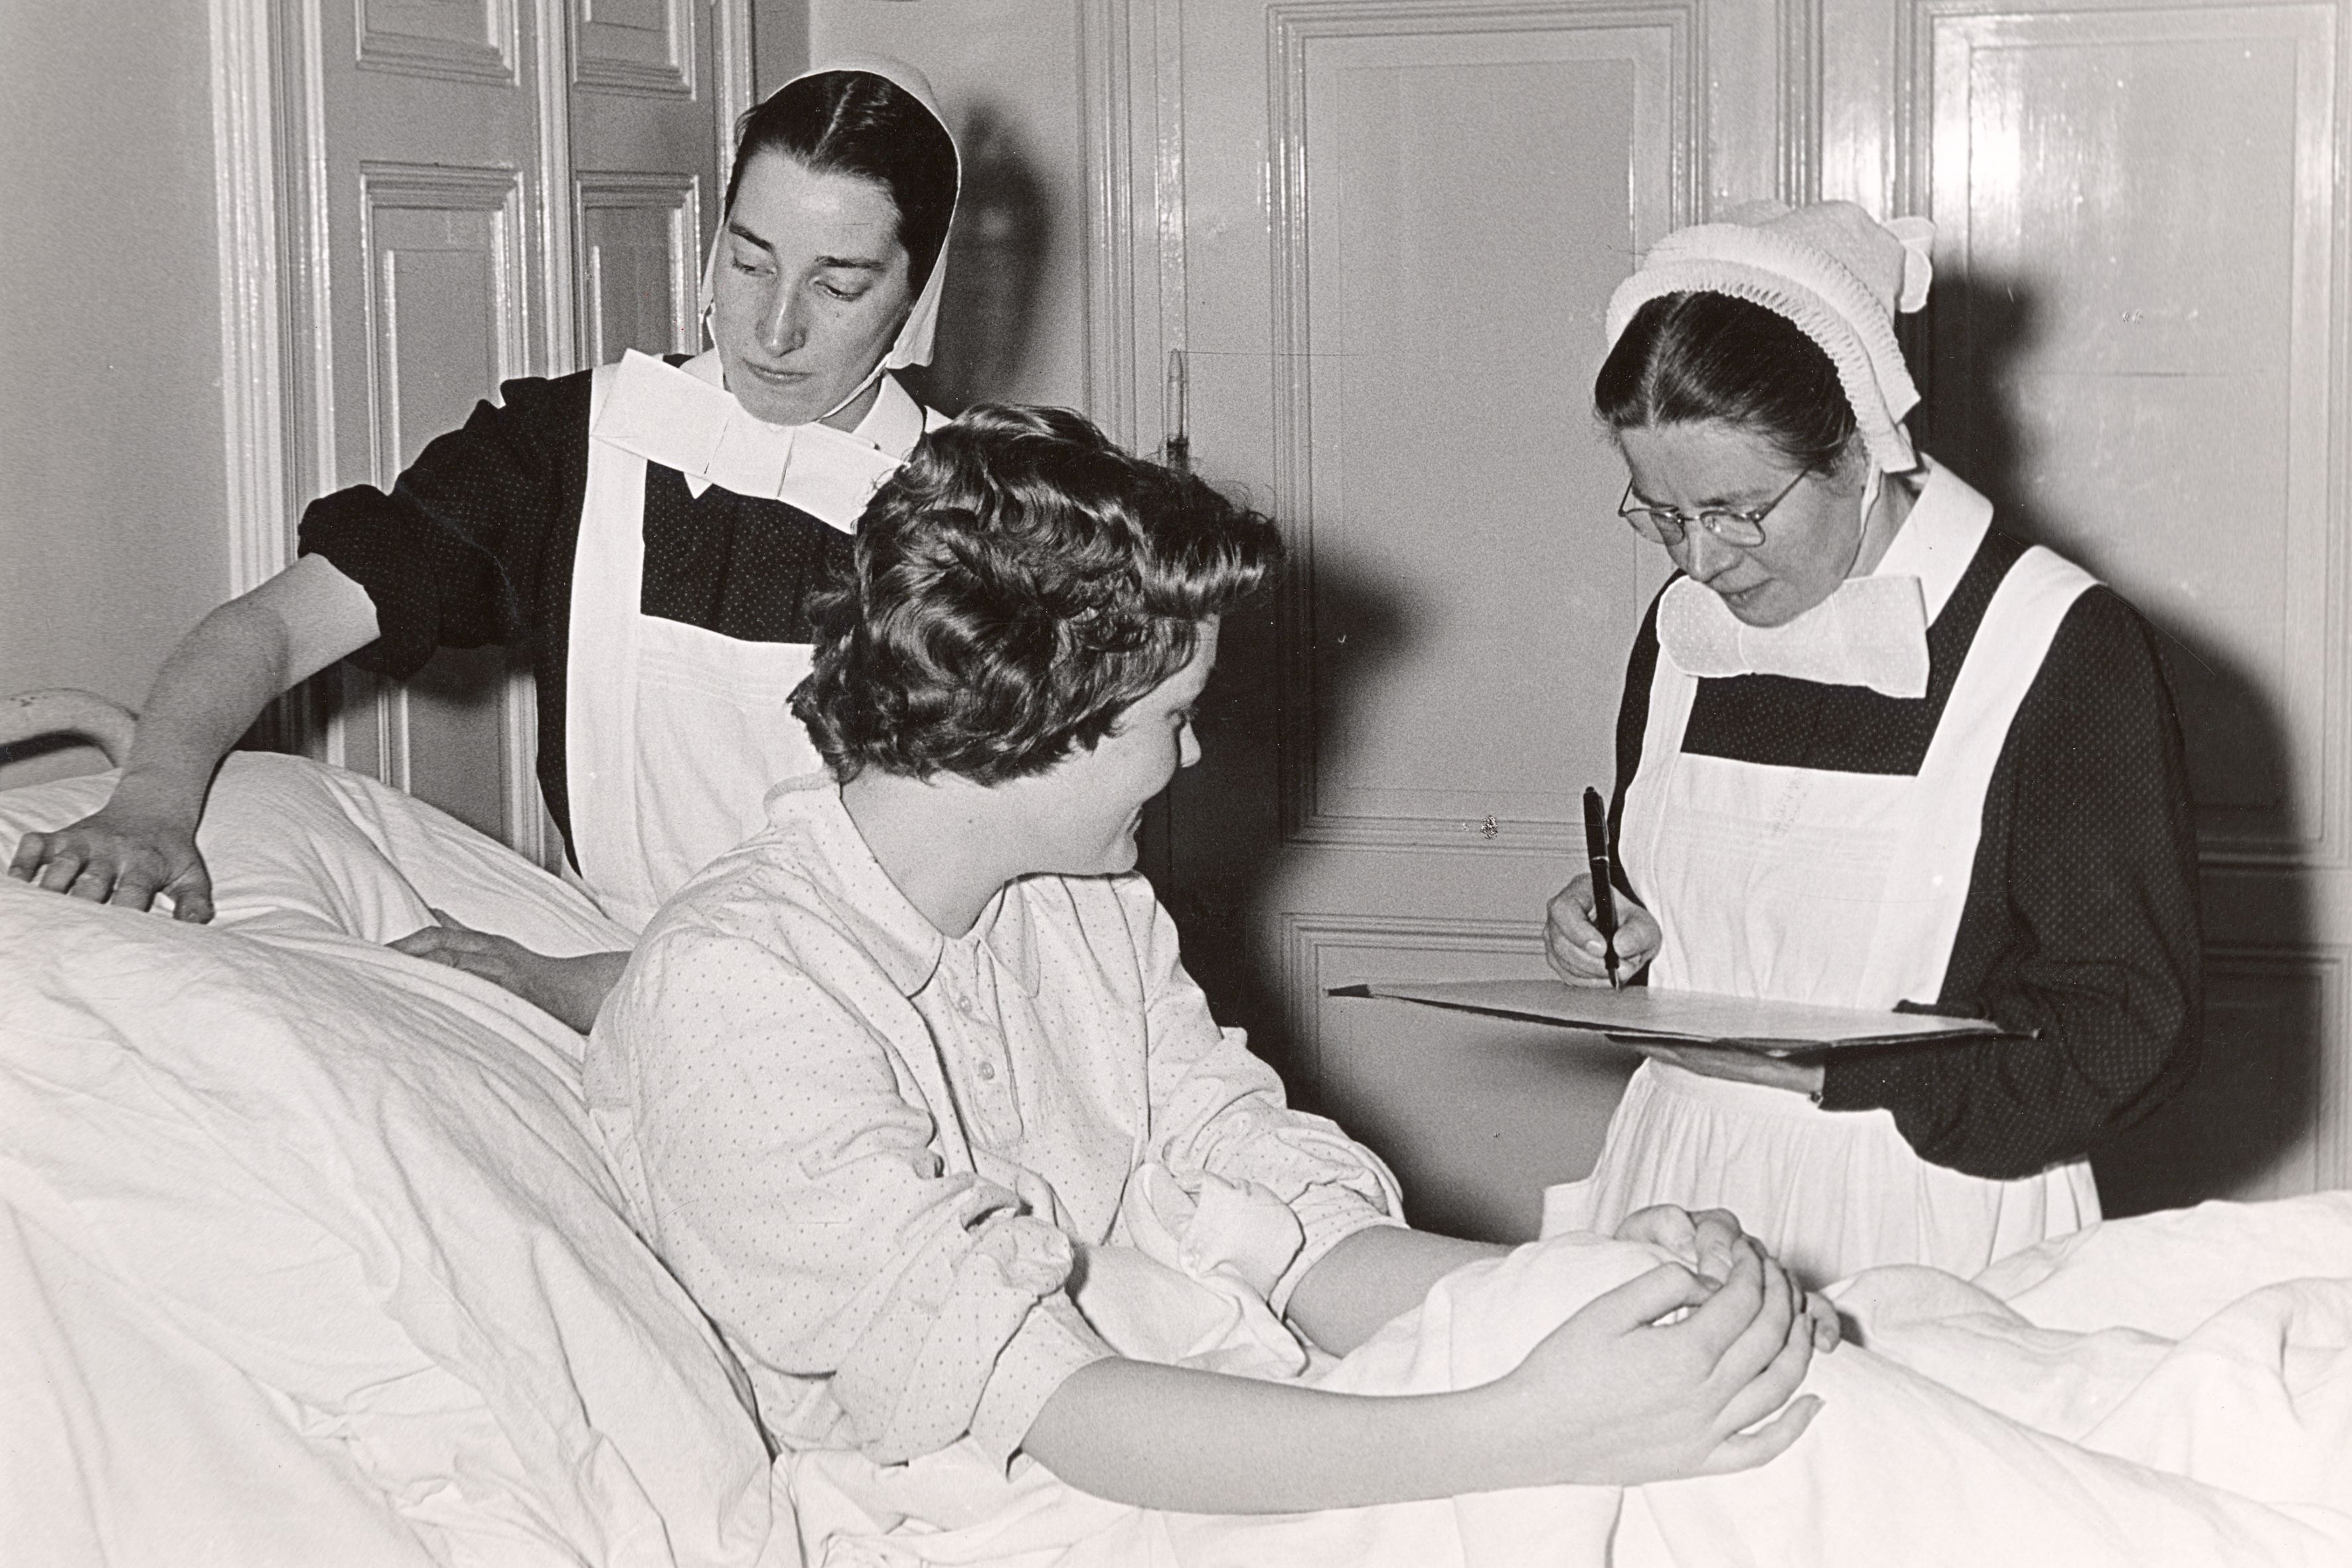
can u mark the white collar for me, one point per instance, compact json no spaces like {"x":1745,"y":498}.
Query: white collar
{"x":1871,"y":630}
{"x":860,"y":894}
{"x":682,"y":417}
{"x":892,"y":425}
{"x":1939,"y":538}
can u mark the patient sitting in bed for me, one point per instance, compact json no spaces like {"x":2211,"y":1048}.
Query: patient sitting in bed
{"x":913,"y":1094}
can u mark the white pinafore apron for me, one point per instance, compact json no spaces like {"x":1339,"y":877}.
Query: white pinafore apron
{"x":1834,"y":887}
{"x":673,"y":733}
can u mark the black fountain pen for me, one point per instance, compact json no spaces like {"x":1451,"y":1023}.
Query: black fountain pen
{"x":1596,"y":854}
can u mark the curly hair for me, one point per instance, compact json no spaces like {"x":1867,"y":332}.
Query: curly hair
{"x":1015,"y":588}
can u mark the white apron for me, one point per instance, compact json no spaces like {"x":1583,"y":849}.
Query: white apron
{"x":1834,"y":887}
{"x":673,"y":733}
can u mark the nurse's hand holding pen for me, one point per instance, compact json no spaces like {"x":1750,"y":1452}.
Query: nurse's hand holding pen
{"x":1575,"y":947}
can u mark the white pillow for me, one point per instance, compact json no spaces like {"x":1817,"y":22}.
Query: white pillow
{"x":329,"y":1218}
{"x":290,"y":839}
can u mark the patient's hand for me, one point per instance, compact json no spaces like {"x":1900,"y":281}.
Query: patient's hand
{"x":571,"y":988}
{"x":121,"y":854}
{"x":1573,"y":944}
{"x":1617,"y":1398}
{"x":1708,"y":1243}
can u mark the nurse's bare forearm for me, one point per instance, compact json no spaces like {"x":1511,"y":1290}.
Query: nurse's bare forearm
{"x":208,"y":693}
{"x":217,"y":682}
{"x":1372,"y":1276}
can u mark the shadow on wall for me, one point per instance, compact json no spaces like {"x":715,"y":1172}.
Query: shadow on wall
{"x":997,"y":256}
{"x":1225,"y":895}
{"x":1475,"y":1116}
{"x":2253,"y":1096}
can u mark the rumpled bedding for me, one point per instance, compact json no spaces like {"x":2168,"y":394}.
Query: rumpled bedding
{"x":2172,"y":1390}
{"x":306,"y":1255}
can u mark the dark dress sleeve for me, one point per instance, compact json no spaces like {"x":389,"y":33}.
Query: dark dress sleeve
{"x":2081,"y":927}
{"x":462,"y":551}
{"x":1633,"y":726}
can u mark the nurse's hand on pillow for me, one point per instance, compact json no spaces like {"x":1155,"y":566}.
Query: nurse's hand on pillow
{"x":571,"y":988}
{"x":1742,"y":1066}
{"x":121,"y":854}
{"x":1572,"y":943}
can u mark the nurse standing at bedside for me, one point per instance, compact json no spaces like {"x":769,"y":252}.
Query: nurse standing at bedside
{"x":1873,"y":752}
{"x":648,"y":531}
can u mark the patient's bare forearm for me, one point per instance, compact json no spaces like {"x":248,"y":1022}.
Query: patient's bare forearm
{"x":1199,"y":1442}
{"x":1372,"y":1276}
{"x":1614,"y":1395}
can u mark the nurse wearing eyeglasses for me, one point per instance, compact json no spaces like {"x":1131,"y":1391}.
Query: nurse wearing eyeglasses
{"x":1873,"y":752}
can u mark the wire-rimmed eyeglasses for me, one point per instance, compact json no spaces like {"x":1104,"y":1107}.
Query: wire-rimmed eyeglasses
{"x":1670,"y":526}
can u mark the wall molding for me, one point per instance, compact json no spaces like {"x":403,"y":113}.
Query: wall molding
{"x":731,"y":47}
{"x":1801,"y":101}
{"x":674,"y":77}
{"x":2269,"y":1113}
{"x":1108,"y":262}
{"x":493,"y":190}
{"x":678,"y":201}
{"x":2325,"y":1151}
{"x":245,"y":186}
{"x":491,"y":60}
{"x":1302,"y":940}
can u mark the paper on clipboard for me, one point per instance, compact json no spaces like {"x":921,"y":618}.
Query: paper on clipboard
{"x":1641,"y":1013}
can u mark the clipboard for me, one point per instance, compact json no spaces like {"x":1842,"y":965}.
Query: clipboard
{"x":1641,"y":1013}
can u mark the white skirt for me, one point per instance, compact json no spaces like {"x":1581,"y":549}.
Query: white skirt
{"x":1828,"y":1192}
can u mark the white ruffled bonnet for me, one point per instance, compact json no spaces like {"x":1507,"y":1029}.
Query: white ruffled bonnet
{"x":1836,"y":272}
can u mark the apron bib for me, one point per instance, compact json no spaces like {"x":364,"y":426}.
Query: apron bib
{"x":674,"y":733}
{"x":1840,"y":889}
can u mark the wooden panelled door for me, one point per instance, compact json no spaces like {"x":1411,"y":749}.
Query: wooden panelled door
{"x":481,"y":189}
{"x":1387,"y":232}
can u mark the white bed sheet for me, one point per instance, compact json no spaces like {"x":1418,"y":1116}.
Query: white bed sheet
{"x":306,"y":1255}
{"x":1999,"y":1423}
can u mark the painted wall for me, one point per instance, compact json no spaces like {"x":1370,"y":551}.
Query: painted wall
{"x":114,"y":538}
{"x":1012,"y":326}
{"x":779,"y":43}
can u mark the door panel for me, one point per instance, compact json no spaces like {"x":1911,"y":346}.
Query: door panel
{"x":638,"y":236}
{"x":420,"y":151}
{"x":1388,"y":229}
{"x":486,"y":189}
{"x":444,"y":308}
{"x":1400,"y":222}
{"x":2136,"y":179}
{"x":646,"y":137}
{"x":2136,"y":347}
{"x":1420,"y":439}
{"x":644,"y":47}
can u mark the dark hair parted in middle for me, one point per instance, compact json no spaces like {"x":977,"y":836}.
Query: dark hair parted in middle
{"x":1693,"y":357}
{"x":1015,"y":588}
{"x":854,"y":123}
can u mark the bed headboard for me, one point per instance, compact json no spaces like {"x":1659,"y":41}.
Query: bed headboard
{"x":64,"y":710}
